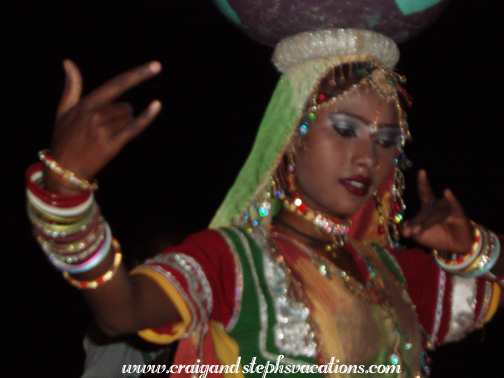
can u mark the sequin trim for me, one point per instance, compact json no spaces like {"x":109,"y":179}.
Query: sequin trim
{"x":174,"y":282}
{"x":439,"y":307}
{"x":238,"y":282}
{"x":293,"y":334}
{"x":198,"y":287}
{"x":487,"y":299}
{"x":263,"y":308}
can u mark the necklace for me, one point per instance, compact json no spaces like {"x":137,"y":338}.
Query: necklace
{"x":337,"y":231}
{"x":329,"y":247}
{"x":373,"y":292}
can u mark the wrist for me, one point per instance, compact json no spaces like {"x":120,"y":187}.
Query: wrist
{"x":56,"y":184}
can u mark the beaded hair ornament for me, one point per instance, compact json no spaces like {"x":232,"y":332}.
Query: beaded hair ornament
{"x":338,"y":84}
{"x":312,"y":63}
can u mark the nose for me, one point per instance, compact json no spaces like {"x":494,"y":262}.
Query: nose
{"x":365,"y":153}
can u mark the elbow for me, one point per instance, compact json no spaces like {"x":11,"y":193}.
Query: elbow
{"x":114,"y":329}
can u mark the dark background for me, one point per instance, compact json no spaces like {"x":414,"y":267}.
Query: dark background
{"x":215,"y":86}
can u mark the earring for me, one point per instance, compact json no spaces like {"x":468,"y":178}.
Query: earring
{"x":397,"y":204}
{"x":379,"y":208}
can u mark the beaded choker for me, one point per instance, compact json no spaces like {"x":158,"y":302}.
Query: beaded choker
{"x":337,"y":231}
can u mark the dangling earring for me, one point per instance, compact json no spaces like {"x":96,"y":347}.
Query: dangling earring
{"x":397,"y":204}
{"x":286,"y":181}
{"x":381,"y":217}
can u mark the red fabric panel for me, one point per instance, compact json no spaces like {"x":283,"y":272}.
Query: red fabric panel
{"x":210,"y":250}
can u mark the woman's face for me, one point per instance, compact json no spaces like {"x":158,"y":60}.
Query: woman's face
{"x":349,"y":152}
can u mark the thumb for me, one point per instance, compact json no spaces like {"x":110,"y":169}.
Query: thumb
{"x":73,"y":88}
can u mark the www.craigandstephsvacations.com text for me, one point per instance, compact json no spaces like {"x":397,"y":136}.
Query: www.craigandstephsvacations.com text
{"x":254,"y":368}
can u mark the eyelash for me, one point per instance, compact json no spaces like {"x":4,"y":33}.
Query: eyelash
{"x":346,"y":132}
{"x":349,"y":132}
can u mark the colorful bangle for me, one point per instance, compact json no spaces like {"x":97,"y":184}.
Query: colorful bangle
{"x":34,"y":182}
{"x":487,"y":259}
{"x":489,"y":275}
{"x":104,"y":278}
{"x":89,"y":264}
{"x":485,"y":250}
{"x":465,"y":260}
{"x":62,"y":212}
{"x":64,"y":229}
{"x":76,"y":252}
{"x":62,"y":237}
{"x":66,"y":174}
{"x":479,"y":261}
{"x":52,"y":218}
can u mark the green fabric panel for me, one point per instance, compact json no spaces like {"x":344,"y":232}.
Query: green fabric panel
{"x":389,"y":263}
{"x":267,"y":147}
{"x":249,"y":311}
{"x":280,"y":120}
{"x":257,"y":255}
{"x":246,"y":332}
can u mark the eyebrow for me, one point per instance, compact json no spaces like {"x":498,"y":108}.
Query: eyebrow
{"x":368,"y":122}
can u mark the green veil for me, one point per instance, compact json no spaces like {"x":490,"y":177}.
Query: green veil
{"x":304,"y":60}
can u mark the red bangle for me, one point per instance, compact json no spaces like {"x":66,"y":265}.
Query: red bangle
{"x":53,"y":199}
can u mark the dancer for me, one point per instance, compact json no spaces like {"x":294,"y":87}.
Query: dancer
{"x":301,"y":263}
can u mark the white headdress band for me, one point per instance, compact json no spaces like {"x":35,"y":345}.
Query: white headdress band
{"x":334,"y":42}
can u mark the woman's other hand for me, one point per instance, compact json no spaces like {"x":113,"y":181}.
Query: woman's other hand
{"x":441,"y":223}
{"x":90,"y":131}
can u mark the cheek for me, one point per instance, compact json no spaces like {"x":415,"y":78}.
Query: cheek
{"x":323,"y":154}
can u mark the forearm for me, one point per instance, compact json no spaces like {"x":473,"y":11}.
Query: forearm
{"x":127,"y":303}
{"x":78,"y":241}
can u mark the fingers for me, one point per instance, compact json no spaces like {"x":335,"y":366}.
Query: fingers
{"x":424,"y":189}
{"x":112,"y":112}
{"x":73,"y":87}
{"x":121,"y":83}
{"x":427,"y":217}
{"x":457,"y":208}
{"x":140,"y":123}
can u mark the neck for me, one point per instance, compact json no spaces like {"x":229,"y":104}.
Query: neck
{"x":298,"y":227}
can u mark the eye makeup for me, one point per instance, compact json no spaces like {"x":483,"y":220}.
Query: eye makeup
{"x":352,"y":125}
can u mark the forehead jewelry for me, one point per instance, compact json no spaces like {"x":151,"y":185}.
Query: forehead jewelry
{"x":374,"y":125}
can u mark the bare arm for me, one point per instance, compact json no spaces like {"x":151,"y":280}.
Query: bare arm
{"x":89,"y":132}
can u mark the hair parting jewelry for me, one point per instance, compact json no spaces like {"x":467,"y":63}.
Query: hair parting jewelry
{"x":65,"y":174}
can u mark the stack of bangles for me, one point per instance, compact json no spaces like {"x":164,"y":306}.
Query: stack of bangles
{"x":483,"y":256}
{"x":70,"y":230}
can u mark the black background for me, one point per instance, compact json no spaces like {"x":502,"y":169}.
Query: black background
{"x":215,"y":86}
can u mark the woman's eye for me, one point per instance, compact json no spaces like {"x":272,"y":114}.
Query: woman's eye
{"x":344,"y":129}
{"x":387,"y":143}
{"x":387,"y":138}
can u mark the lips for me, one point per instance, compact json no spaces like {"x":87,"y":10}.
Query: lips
{"x":358,"y":185}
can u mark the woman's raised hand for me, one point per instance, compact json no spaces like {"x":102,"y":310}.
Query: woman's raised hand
{"x":90,"y":131}
{"x":441,"y":223}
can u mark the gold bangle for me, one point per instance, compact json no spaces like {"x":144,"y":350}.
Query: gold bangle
{"x":67,"y":175}
{"x":55,"y":218}
{"x":109,"y":274}
{"x":67,"y":228}
{"x":484,"y":251}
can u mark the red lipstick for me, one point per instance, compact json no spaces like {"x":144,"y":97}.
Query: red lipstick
{"x":358,"y":185}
